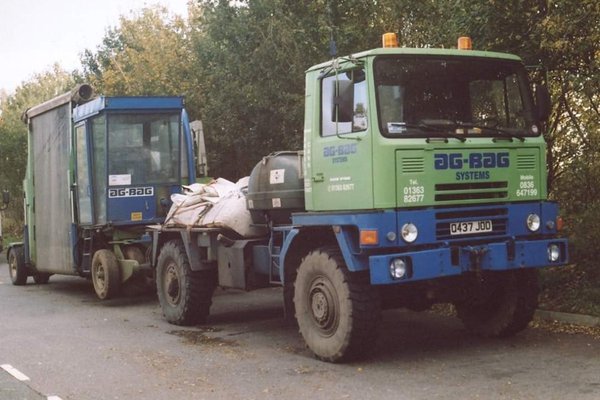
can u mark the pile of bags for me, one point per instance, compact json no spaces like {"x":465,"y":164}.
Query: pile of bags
{"x":218,"y":204}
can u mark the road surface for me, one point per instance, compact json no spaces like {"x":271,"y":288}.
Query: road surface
{"x":72,"y":346}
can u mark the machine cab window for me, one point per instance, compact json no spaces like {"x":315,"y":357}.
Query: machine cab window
{"x":143,"y":149}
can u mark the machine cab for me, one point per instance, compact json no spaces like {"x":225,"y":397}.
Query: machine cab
{"x":131,"y":154}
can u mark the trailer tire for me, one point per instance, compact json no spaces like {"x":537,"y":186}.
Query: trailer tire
{"x":16,"y":266}
{"x":185,"y":296}
{"x":337,"y":311}
{"x":41,"y":278}
{"x":106,"y":274}
{"x":506,"y":310}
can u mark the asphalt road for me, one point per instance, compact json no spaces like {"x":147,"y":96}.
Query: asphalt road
{"x":73,"y":346}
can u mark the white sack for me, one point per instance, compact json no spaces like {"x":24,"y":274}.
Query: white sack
{"x":219,"y":204}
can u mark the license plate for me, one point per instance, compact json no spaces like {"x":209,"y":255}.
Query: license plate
{"x":465,"y":228}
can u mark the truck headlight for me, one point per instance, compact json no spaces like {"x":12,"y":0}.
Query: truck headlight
{"x":409,"y":232}
{"x":398,"y":268}
{"x":533,"y":222}
{"x":553,"y":253}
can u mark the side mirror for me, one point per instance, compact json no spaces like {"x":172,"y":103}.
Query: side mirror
{"x":543,"y":104}
{"x":343,"y":101}
{"x":199,"y":148}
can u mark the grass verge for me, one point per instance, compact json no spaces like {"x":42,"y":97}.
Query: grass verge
{"x":569,"y":289}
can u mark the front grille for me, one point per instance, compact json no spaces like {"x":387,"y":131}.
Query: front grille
{"x":471,"y":191}
{"x":526,"y":161}
{"x":411,"y":165}
{"x":498,"y":216}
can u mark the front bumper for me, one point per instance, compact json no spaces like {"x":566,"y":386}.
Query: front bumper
{"x":456,"y":260}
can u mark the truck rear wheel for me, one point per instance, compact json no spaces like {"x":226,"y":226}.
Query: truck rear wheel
{"x":185,"y":296}
{"x":16,"y":266}
{"x":337,"y":311}
{"x":106,"y":275}
{"x":506,"y":309}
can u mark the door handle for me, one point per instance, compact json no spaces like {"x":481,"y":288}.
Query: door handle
{"x":319,"y":177}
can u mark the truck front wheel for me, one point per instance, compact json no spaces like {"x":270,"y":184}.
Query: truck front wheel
{"x":16,"y":266}
{"x":106,"y":275}
{"x":185,"y":296}
{"x":505,"y":306}
{"x":337,"y":311}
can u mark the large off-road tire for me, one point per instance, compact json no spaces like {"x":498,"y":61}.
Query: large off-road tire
{"x":507,"y":307}
{"x":337,"y":311}
{"x":106,"y":274}
{"x":41,"y":278}
{"x":185,"y":296}
{"x":16,"y":266}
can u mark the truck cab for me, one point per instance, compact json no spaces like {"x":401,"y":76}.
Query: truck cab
{"x":131,"y":155}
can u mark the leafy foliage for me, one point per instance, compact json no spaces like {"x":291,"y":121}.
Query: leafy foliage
{"x":13,"y":132}
{"x":147,"y":54}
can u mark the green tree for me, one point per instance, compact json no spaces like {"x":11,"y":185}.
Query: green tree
{"x":254,"y":54}
{"x":148,"y":53}
{"x":13,"y":131}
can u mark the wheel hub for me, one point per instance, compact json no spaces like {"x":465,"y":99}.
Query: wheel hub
{"x":100,"y":278}
{"x":171,"y":284}
{"x":323,"y":305}
{"x":13,"y":267}
{"x":320,"y":307}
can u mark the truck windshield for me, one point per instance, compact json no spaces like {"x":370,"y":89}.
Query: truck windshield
{"x":434,"y":96}
{"x":143,"y":148}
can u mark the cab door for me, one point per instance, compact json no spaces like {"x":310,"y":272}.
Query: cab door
{"x":340,"y":164}
{"x":84,"y":187}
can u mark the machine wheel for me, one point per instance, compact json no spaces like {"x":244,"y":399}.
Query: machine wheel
{"x":185,"y":296}
{"x":41,"y":278}
{"x":337,"y":311}
{"x":106,"y":275}
{"x":16,"y":266}
{"x":507,"y":309}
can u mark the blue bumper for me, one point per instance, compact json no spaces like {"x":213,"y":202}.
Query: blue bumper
{"x":437,"y":251}
{"x":451,"y":261}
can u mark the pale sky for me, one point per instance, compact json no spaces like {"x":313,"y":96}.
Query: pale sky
{"x":35,"y":34}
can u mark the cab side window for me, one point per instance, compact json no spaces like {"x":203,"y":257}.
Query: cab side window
{"x":329,"y":115}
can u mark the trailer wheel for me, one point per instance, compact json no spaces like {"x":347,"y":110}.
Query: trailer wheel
{"x":16,"y":266}
{"x":507,"y":308}
{"x":41,"y":278}
{"x":106,"y":275}
{"x":337,"y":311}
{"x":185,"y":296}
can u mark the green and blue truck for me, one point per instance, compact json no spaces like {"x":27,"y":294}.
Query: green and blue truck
{"x":422,"y":180}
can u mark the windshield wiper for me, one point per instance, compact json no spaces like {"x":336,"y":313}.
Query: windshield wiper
{"x":425,"y":127}
{"x":499,"y":131}
{"x":503,"y":132}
